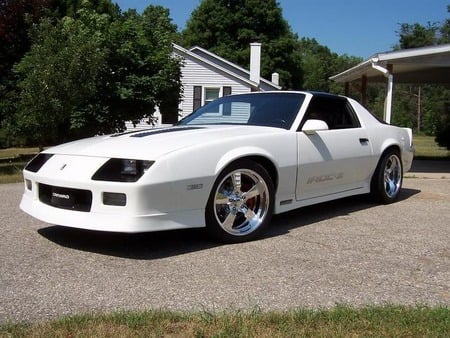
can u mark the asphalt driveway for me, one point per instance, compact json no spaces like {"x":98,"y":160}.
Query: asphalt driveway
{"x":347,"y":252}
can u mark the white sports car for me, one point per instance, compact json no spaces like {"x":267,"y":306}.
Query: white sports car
{"x":228,"y":167}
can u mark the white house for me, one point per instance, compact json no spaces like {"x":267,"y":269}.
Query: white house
{"x":206,"y":76}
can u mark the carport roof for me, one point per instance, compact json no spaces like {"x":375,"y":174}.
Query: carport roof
{"x":415,"y":65}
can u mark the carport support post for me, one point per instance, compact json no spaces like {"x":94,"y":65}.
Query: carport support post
{"x":390,"y":89}
{"x":388,"y":102}
{"x":364,"y":90}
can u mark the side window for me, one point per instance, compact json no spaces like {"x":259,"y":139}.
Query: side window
{"x":336,"y":112}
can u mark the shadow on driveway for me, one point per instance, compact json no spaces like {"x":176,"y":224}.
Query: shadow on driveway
{"x":156,"y":245}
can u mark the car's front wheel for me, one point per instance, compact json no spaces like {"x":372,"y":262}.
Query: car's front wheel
{"x":388,"y":177}
{"x":241,"y":202}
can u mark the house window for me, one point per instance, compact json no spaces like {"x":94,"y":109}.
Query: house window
{"x":211,"y":94}
{"x":204,"y":95}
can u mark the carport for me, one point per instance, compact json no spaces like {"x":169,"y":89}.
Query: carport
{"x":416,"y":65}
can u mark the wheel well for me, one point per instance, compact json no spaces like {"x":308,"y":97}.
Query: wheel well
{"x":392,"y":147}
{"x":266,"y":164}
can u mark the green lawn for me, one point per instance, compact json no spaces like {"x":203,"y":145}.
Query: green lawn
{"x":426,"y":148}
{"x":12,"y":161}
{"x":12,"y":153}
{"x":387,"y":321}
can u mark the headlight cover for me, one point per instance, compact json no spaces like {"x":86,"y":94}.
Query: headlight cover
{"x":122,"y":170}
{"x":37,"y":162}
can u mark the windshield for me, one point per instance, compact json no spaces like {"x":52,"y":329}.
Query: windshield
{"x":259,"y":109}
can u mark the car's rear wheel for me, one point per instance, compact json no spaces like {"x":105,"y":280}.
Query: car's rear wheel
{"x":241,"y":202}
{"x":388,"y":177}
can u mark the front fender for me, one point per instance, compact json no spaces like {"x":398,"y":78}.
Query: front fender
{"x":238,"y":153}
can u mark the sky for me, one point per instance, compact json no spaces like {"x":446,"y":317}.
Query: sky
{"x":353,"y":27}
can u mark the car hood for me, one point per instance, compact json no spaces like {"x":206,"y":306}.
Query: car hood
{"x":156,"y":142}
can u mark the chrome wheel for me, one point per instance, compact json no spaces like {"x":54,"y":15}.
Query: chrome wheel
{"x":392,"y":176}
{"x":241,"y":202}
{"x":387,"y":179}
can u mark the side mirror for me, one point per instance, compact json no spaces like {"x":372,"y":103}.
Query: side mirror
{"x":312,"y":126}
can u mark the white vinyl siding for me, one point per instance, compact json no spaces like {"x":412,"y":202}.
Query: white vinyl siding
{"x":195,"y":74}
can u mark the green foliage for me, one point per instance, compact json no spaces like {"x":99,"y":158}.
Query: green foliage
{"x":61,"y":8}
{"x":88,"y":74}
{"x":319,"y":63}
{"x":59,"y":76}
{"x":228,"y":27}
{"x":423,"y":107}
{"x":445,"y":30}
{"x":16,"y":17}
{"x":416,"y":35}
{"x":443,"y":128}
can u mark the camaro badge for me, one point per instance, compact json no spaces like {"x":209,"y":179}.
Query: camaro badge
{"x":194,"y":186}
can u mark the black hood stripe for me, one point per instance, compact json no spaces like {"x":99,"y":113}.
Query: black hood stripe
{"x":162,"y":131}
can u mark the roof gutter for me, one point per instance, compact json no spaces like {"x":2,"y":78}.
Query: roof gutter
{"x":390,"y":87}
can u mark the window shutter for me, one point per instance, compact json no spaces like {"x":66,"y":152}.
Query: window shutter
{"x":197,"y":97}
{"x":226,"y":91}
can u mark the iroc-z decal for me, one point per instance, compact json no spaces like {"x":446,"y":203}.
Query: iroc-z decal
{"x":324,"y":178}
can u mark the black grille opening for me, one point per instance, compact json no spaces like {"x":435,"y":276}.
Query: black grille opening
{"x":65,"y":198}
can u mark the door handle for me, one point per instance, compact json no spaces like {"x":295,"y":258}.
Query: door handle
{"x":363,"y":140}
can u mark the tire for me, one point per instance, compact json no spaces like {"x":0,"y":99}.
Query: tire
{"x":388,"y":178}
{"x":241,"y":203}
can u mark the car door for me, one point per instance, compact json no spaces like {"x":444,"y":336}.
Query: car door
{"x":339,"y":159}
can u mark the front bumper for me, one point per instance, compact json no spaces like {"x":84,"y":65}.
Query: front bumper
{"x":70,"y":198}
{"x":115,"y":221}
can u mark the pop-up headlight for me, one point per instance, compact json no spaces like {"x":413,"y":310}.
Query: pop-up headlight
{"x":122,"y":170}
{"x":37,"y":162}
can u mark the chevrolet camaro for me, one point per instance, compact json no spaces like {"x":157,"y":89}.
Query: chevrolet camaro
{"x":229,"y":166}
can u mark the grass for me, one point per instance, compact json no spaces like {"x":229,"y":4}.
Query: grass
{"x":341,"y":321}
{"x":11,"y":153}
{"x":426,"y":148}
{"x":12,"y":161}
{"x":11,"y":173}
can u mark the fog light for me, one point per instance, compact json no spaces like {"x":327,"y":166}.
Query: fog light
{"x":116,"y":199}
{"x":28,"y":185}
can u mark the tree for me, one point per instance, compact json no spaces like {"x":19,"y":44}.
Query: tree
{"x":443,"y":130}
{"x":424,"y":107}
{"x":416,"y":35}
{"x":16,"y":17}
{"x":59,"y":76}
{"x":442,"y":127}
{"x":227,"y":27}
{"x":445,"y":30}
{"x":319,"y":63}
{"x":61,"y":8}
{"x":145,"y":74}
{"x":89,"y":74}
